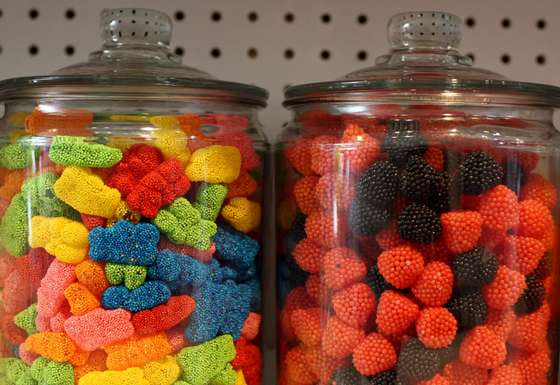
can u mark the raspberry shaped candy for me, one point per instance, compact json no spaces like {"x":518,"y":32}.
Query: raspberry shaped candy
{"x":366,"y":219}
{"x":535,"y":366}
{"x":538,"y":188}
{"x":375,"y":354}
{"x":416,"y":362}
{"x":379,"y":184}
{"x":506,"y":375}
{"x":461,"y":230}
{"x":418,"y":180}
{"x":359,"y":149}
{"x":395,"y":313}
{"x":529,"y":331}
{"x":499,"y":209}
{"x":354,"y":304}
{"x":323,"y":150}
{"x":469,"y":309}
{"x":343,"y":267}
{"x":297,"y":370}
{"x":309,"y":255}
{"x":419,"y":223}
{"x":482,"y":348}
{"x":506,"y":288}
{"x":214,"y":164}
{"x":435,"y":285}
{"x":75,"y":151}
{"x":500,"y":322}
{"x":340,"y":339}
{"x":325,"y":229}
{"x":438,"y":379}
{"x":321,"y":364}
{"x":376,"y":282}
{"x":459,"y":373}
{"x":532,"y":298}
{"x":335,"y":190}
{"x":389,"y":237}
{"x":522,"y":254}
{"x":317,"y":290}
{"x":348,"y":375}
{"x":403,"y":140}
{"x":435,"y":158}
{"x":401,"y":266}
{"x":475,"y":268}
{"x":535,"y":219}
{"x":388,"y":377}
{"x":304,"y":194}
{"x":479,"y":172}
{"x":307,"y":324}
{"x":436,"y":327}
{"x":299,"y":155}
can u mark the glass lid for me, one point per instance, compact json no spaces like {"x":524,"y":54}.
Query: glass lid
{"x":424,"y":63}
{"x":135,"y":60}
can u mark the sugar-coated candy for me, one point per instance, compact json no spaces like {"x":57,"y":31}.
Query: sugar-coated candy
{"x":73,"y":121}
{"x":55,"y":346}
{"x":228,"y":376}
{"x":25,"y":319}
{"x":203,"y":362}
{"x":80,"y":299}
{"x":242,"y":214}
{"x":64,"y":238}
{"x":13,"y":369}
{"x":87,"y":193}
{"x":14,"y":156}
{"x":172,"y":144}
{"x":209,"y":200}
{"x":76,"y":151}
{"x":201,"y":255}
{"x":251,"y":326}
{"x":39,"y":194}
{"x":148,"y":295}
{"x":214,"y":164}
{"x":248,"y":360}
{"x":132,"y":276}
{"x":96,"y":362}
{"x":14,"y":226}
{"x":50,"y":296}
{"x":244,"y":186}
{"x":235,"y":247}
{"x":183,"y":224}
{"x":136,"y":351}
{"x":163,"y":372}
{"x":92,"y":275}
{"x":208,"y":317}
{"x":237,"y":305}
{"x":50,"y":372}
{"x":163,"y":317}
{"x":130,"y":376}
{"x":12,"y":184}
{"x":99,"y":328}
{"x":26,"y":356}
{"x":167,"y":266}
{"x":124,"y":243}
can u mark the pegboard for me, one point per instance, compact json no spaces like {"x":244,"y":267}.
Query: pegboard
{"x":273,"y":43}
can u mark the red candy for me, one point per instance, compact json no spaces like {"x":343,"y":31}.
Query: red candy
{"x":342,"y":267}
{"x":482,"y":348}
{"x":436,"y":327}
{"x":325,"y":229}
{"x":358,"y":149}
{"x":354,"y":304}
{"x":307,"y":324}
{"x":373,"y":355}
{"x":522,"y":254}
{"x":506,"y":375}
{"x":461,"y":230}
{"x":505,"y":290}
{"x":435,"y":285}
{"x":248,"y":359}
{"x":309,"y":255}
{"x":299,"y":155}
{"x":304,"y":194}
{"x":499,"y":208}
{"x":395,"y":313}
{"x":163,"y":317}
{"x":538,"y":188}
{"x":401,"y":266}
{"x":340,"y":339}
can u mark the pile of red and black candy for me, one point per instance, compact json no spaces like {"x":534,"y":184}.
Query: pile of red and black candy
{"x":414,"y":257}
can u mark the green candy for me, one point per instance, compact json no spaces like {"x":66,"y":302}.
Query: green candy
{"x":14,"y":227}
{"x":38,"y":192}
{"x":181,"y":383}
{"x":14,"y":156}
{"x":228,"y":376}
{"x":14,"y":369}
{"x":47,"y":372}
{"x":183,"y":224}
{"x":203,"y":362}
{"x":75,"y":151}
{"x":209,"y":199}
{"x":133,"y":276}
{"x":25,"y":319}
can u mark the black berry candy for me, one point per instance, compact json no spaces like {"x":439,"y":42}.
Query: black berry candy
{"x":417,"y":363}
{"x":388,"y":377}
{"x":367,"y":219}
{"x":348,"y":375}
{"x":544,"y":268}
{"x":418,"y":179}
{"x":378,"y":185}
{"x":475,"y":268}
{"x":532,"y":298}
{"x":468,"y":308}
{"x":376,"y":282}
{"x":419,"y":223}
{"x":403,"y":140}
{"x":479,"y":172}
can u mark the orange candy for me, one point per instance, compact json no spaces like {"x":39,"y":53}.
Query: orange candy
{"x":81,"y":300}
{"x":12,"y":184}
{"x":95,"y":363}
{"x":66,"y":122}
{"x":55,"y":346}
{"x":243,"y":186}
{"x":92,"y":275}
{"x":137,"y":351}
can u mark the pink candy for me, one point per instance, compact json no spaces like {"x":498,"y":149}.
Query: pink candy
{"x":26,"y":356}
{"x":57,"y":322}
{"x":50,"y":295}
{"x":176,"y":338}
{"x":99,"y":328}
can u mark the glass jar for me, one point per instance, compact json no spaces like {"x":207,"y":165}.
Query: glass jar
{"x":131,"y":200}
{"x":417,"y":221}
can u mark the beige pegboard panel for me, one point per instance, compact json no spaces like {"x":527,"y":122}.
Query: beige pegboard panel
{"x":273,"y":43}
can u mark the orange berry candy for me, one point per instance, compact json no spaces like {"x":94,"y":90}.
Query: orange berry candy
{"x":358,"y":150}
{"x":459,"y":373}
{"x":304,"y":194}
{"x":244,"y":186}
{"x":354,"y":304}
{"x":136,"y":351}
{"x":505,"y":290}
{"x":317,"y":290}
{"x":389,"y":237}
{"x":435,"y":285}
{"x":506,"y":375}
{"x":335,"y":191}
{"x":324,"y":229}
{"x":538,"y":188}
{"x":435,"y":158}
{"x":343,"y":267}
{"x":436,"y":327}
{"x":309,"y":255}
{"x":80,"y":299}
{"x":323,"y":154}
{"x":298,"y":154}
{"x":461,"y":230}
{"x":522,"y":254}
{"x":534,"y":219}
{"x":535,"y":366}
{"x":401,"y":266}
{"x":374,"y":355}
{"x":92,"y":275}
{"x":340,"y":339}
{"x":438,"y":379}
{"x":500,"y":322}
{"x":321,"y":364}
{"x":307,"y":324}
{"x":499,"y":208}
{"x":297,"y":298}
{"x":529,"y":331}
{"x":482,"y":348}
{"x":395,"y":313}
{"x":54,"y":346}
{"x":297,"y":369}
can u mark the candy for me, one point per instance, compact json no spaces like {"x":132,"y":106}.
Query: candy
{"x":209,"y":200}
{"x":374,"y":355}
{"x":203,"y":362}
{"x":87,"y":193}
{"x":95,"y":362}
{"x":172,"y":143}
{"x":132,"y":276}
{"x":235,"y":247}
{"x":65,"y":120}
{"x":14,"y":226}
{"x":99,"y":328}
{"x":14,"y":156}
{"x":244,"y":186}
{"x":242,"y":214}
{"x":342,"y":267}
{"x":146,"y":296}
{"x":228,"y":376}
{"x":214,"y":164}
{"x":38,"y":192}
{"x":14,"y":369}
{"x":55,"y":346}
{"x":76,"y":151}
{"x":67,"y":240}
{"x":130,"y":376}
{"x":12,"y":184}
{"x":137,"y":161}
{"x":25,"y":319}
{"x":163,"y":317}
{"x":340,"y":339}
{"x":482,"y":348}
{"x":251,"y":326}
{"x":137,"y":351}
{"x":163,"y":372}
{"x":92,"y":275}
{"x":307,"y":325}
{"x":248,"y":360}
{"x":183,"y":224}
{"x":124,"y":243}
{"x":50,"y":296}
{"x":81,"y":300}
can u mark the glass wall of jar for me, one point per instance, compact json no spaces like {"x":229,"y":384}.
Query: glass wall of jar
{"x":417,"y":222}
{"x":131,"y":197}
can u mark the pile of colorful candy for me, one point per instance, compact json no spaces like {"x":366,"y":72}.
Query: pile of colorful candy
{"x":413,"y":257}
{"x":130,"y":263}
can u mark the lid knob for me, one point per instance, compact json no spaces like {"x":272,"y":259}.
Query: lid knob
{"x":424,"y":29}
{"x":135,"y":26}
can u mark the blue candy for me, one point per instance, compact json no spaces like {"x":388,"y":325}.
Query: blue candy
{"x":125,"y":243}
{"x":166,"y":267}
{"x":150,"y":294}
{"x":209,"y":314}
{"x":235,"y":247}
{"x":237,"y":306}
{"x":255,"y":293}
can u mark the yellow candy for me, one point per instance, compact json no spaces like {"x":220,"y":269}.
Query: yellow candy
{"x":240,"y":380}
{"x":242,"y":214}
{"x":172,"y":144}
{"x":129,"y":118}
{"x":164,"y":372}
{"x":66,"y":239}
{"x":130,"y":376}
{"x":167,"y":122}
{"x":87,"y":193}
{"x":214,"y":164}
